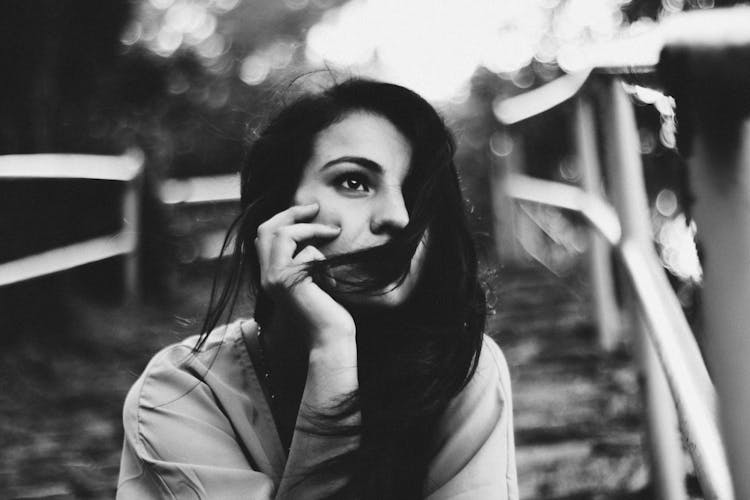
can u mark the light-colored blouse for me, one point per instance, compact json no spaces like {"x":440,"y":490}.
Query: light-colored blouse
{"x":199,"y":426}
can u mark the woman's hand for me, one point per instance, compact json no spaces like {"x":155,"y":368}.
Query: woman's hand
{"x":332,"y":363}
{"x":283,"y":275}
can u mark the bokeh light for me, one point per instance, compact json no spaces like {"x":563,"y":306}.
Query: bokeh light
{"x":432,"y":47}
{"x":666,"y":203}
{"x":166,"y":26}
{"x":435,"y":48}
{"x":676,"y":242}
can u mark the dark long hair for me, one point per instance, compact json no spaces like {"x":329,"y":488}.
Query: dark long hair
{"x":414,"y":358}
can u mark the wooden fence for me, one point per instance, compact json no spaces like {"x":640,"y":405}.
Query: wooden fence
{"x":702,"y":57}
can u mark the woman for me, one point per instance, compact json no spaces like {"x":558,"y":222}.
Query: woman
{"x":365,"y":372}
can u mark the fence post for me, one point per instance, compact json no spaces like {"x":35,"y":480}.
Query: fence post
{"x":600,"y":263}
{"x":506,"y":151}
{"x":628,"y":192}
{"x":131,"y":214}
{"x":711,"y":83}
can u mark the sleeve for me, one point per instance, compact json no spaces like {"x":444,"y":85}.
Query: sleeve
{"x":179,"y":444}
{"x":475,"y":456}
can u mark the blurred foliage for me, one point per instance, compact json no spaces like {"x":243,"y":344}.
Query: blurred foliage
{"x":189,"y":82}
{"x":54,"y":53}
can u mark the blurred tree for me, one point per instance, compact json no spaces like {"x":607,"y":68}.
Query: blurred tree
{"x":53,"y":53}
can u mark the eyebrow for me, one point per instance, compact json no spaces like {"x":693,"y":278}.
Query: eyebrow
{"x":357,"y":160}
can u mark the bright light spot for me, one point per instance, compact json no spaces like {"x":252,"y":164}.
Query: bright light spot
{"x":132,"y":34}
{"x":665,"y":105}
{"x":461,"y":96}
{"x":588,"y":20}
{"x":645,"y":94}
{"x":501,"y":144}
{"x":666,"y":202}
{"x":254,"y":69}
{"x":161,"y":4}
{"x":677,"y":248}
{"x":548,"y":4}
{"x":212,"y":47}
{"x":546,"y":50}
{"x":573,"y":59}
{"x":167,"y":42}
{"x":672,"y":6}
{"x":432,"y":47}
{"x":150,"y":30}
{"x":342,"y":38}
{"x":523,"y":78}
{"x":509,"y":52}
{"x":668,"y":135}
{"x":184,"y":17}
{"x":226,"y":5}
{"x":280,"y":53}
{"x":202,"y":31}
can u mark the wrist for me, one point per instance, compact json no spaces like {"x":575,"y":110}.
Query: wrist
{"x":339,"y":351}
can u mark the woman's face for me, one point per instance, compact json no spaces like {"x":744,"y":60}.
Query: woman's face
{"x":356,"y":175}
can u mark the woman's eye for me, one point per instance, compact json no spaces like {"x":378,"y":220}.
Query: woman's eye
{"x":353,"y":183}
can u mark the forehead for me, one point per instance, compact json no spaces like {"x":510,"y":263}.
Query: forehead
{"x":366,"y":135}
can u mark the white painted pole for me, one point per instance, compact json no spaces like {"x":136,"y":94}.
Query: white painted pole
{"x":600,"y":262}
{"x":131,"y":214}
{"x":627,"y":189}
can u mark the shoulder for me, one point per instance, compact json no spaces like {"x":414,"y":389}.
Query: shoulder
{"x":192,"y":424}
{"x":177,"y":368}
{"x":180,"y":383}
{"x":492,"y":368}
{"x":485,"y":399}
{"x":474,"y":446}
{"x":491,"y":378}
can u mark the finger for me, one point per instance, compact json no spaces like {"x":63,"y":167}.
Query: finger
{"x":291,"y":215}
{"x":308,"y":254}
{"x":267,"y":230}
{"x":306,"y":231}
{"x":284,"y":244}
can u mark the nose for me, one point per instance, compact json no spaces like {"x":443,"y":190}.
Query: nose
{"x":390,"y":214}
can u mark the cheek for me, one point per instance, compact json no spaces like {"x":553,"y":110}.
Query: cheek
{"x":304,"y":196}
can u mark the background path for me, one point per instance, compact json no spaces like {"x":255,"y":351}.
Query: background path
{"x":577,"y":411}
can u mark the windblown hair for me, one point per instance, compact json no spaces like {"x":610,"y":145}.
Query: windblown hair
{"x":412,"y":359}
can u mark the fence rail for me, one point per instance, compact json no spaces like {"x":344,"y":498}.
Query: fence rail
{"x":123,"y":168}
{"x":208,"y":189}
{"x":126,"y":168}
{"x":626,"y":229}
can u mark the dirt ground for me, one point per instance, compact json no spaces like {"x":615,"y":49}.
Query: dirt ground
{"x":577,"y":411}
